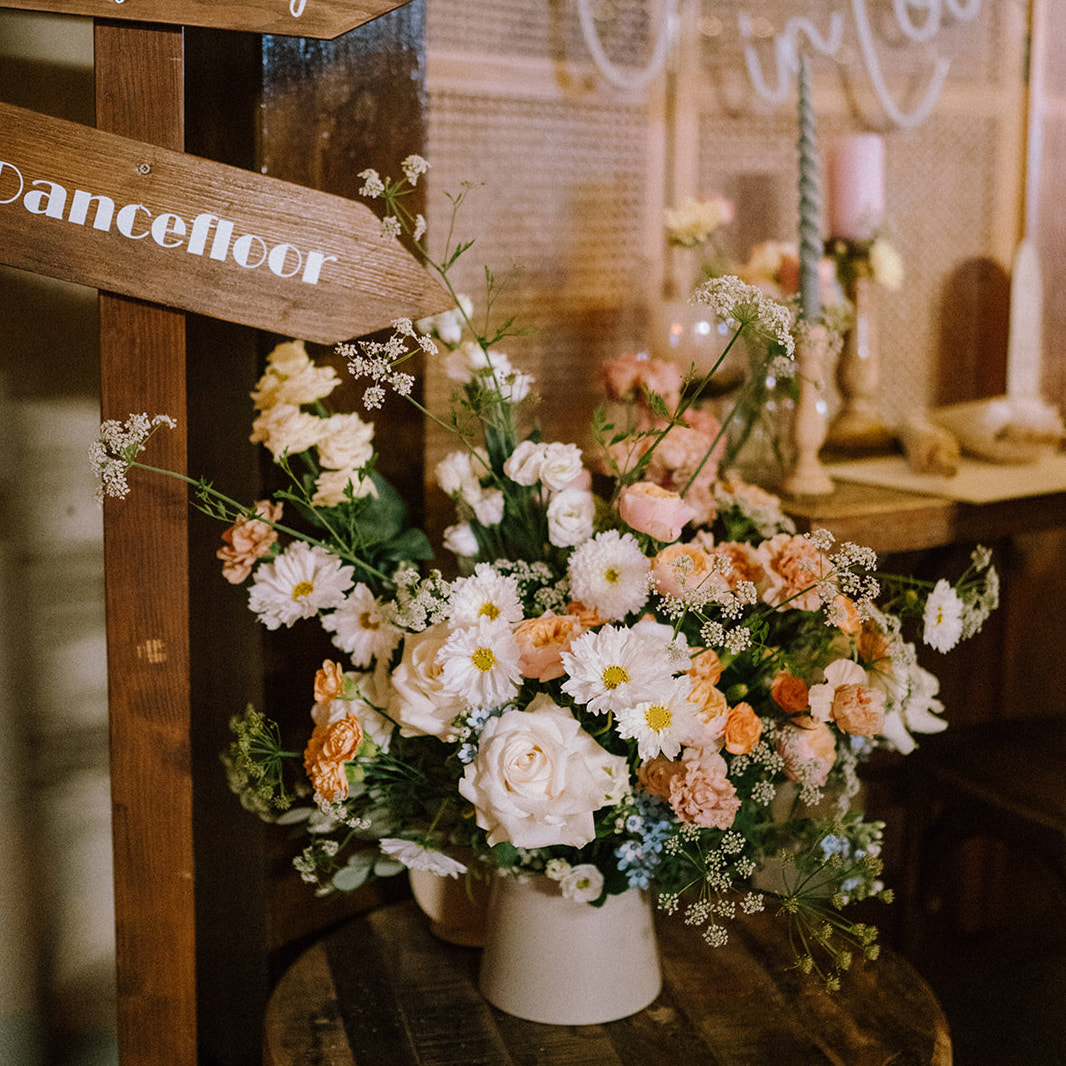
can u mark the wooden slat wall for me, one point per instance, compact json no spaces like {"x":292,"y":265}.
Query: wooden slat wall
{"x":142,"y":351}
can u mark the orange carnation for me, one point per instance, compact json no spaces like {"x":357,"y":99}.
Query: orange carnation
{"x":332,"y":746}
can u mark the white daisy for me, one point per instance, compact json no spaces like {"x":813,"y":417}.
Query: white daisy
{"x":612,"y":668}
{"x":480,"y":663}
{"x":298,"y":584}
{"x":610,"y":574}
{"x":417,"y":856}
{"x":485,"y":594}
{"x":662,"y":724}
{"x":359,"y":627}
{"x":943,"y":617}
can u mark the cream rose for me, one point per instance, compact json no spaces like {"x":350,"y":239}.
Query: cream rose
{"x":419,"y":701}
{"x":539,"y":777}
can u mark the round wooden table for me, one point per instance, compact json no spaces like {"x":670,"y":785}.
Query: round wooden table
{"x":383,"y":991}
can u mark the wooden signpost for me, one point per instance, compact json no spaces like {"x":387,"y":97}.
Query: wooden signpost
{"x":91,"y":207}
{"x":298,"y":18}
{"x":159,"y":232}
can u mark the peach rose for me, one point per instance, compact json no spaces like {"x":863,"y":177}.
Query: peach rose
{"x":659,"y":512}
{"x":329,"y":682}
{"x":743,"y":728}
{"x":809,"y":750}
{"x":703,"y":794}
{"x":247,"y":541}
{"x":706,"y":665}
{"x":541,"y":642}
{"x":587,"y":616}
{"x":654,"y":775}
{"x":329,"y":749}
{"x":794,"y":566}
{"x":789,"y":693}
{"x":710,"y":701}
{"x":846,"y":699}
{"x":678,"y":567}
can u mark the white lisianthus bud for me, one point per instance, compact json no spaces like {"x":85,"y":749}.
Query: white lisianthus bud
{"x":570,"y":516}
{"x":454,"y":472}
{"x":488,"y":507}
{"x":460,"y":540}
{"x":524,"y":463}
{"x":562,"y":463}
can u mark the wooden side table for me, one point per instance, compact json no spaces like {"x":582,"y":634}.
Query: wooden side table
{"x":382,"y":989}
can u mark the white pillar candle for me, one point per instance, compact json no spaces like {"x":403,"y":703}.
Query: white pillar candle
{"x":855,"y":186}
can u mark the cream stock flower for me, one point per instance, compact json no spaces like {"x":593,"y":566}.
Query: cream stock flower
{"x":539,"y":778}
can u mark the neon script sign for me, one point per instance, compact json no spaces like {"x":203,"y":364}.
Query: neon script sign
{"x":919,"y":22}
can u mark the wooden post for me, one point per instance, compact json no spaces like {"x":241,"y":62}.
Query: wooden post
{"x":139,"y":93}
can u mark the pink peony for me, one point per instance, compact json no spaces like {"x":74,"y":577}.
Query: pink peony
{"x":660,"y":513}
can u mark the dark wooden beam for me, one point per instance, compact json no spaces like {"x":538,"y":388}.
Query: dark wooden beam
{"x":140,"y":94}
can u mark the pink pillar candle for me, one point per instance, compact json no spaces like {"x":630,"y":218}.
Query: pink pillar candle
{"x":855,"y":186}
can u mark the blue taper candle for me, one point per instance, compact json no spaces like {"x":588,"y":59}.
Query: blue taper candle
{"x":810,"y":202}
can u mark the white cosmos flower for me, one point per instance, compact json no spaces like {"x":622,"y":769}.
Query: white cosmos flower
{"x":298,"y":584}
{"x":662,"y":724}
{"x":417,"y":856}
{"x":485,"y":594}
{"x":612,"y":668}
{"x":943,"y":617}
{"x":610,"y":574}
{"x":480,"y":663}
{"x":359,"y":627}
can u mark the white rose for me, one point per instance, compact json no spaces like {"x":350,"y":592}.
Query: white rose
{"x":419,"y":701}
{"x":460,"y":540}
{"x":524,"y":463}
{"x":570,"y":516}
{"x":539,"y":777}
{"x":562,"y":464}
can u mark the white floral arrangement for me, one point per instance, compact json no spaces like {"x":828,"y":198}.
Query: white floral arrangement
{"x":641,"y":677}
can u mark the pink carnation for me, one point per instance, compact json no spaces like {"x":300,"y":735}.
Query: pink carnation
{"x":808,"y":749}
{"x":794,"y":566}
{"x":247,"y":541}
{"x":627,"y":376}
{"x":702,"y":793}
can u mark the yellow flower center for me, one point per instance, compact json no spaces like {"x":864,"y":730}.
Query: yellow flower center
{"x":366,"y":622}
{"x":611,"y":575}
{"x":658,"y":717}
{"x":489,"y":610}
{"x":613,"y":676}
{"x":304,"y":588}
{"x":483,"y":659}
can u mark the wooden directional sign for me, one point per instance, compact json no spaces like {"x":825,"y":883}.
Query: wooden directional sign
{"x":296,"y":18}
{"x":106,"y":211}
